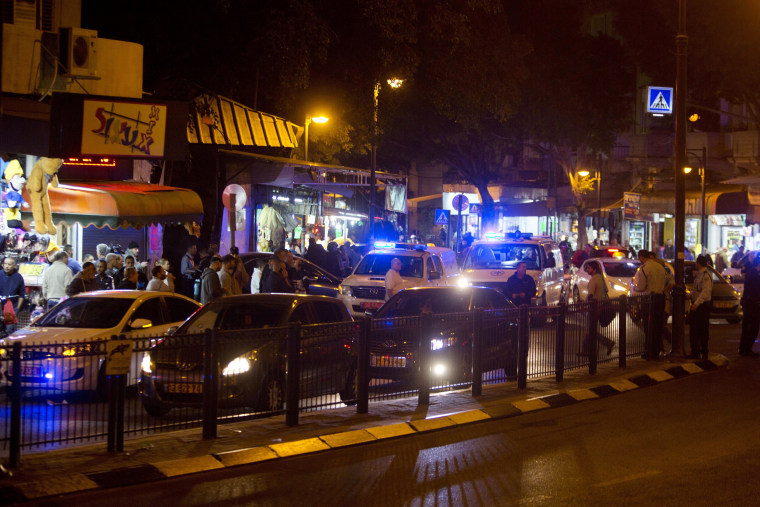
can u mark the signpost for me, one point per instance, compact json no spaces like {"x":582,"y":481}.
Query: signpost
{"x":659,"y":100}
{"x":442,"y":218}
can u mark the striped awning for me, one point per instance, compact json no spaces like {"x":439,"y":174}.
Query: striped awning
{"x":221,"y":121}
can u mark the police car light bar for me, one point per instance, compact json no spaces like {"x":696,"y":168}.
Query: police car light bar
{"x":494,"y":235}
{"x":384,"y":244}
{"x":399,"y":246}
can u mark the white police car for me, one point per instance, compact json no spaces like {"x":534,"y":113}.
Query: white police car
{"x":491,"y":261}
{"x":421,"y":266}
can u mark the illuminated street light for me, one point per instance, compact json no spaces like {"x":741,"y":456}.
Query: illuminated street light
{"x":309,"y":119}
{"x":393,"y":83}
{"x":583,"y":172}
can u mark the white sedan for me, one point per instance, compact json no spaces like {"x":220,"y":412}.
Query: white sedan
{"x":63,"y":349}
{"x":618,"y":274}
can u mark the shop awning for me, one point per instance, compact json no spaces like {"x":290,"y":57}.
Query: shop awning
{"x":117,"y":204}
{"x":719,"y":200}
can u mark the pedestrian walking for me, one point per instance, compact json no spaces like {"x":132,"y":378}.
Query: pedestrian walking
{"x":651,"y":279}
{"x":750,"y":308}
{"x":699,"y":310}
{"x":597,"y":291}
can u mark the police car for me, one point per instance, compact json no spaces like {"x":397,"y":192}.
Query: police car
{"x":421,"y":266}
{"x":491,"y":261}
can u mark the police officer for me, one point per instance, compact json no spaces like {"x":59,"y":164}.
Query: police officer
{"x":520,"y":286}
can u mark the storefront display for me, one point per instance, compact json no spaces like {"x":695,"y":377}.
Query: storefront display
{"x":637,"y":234}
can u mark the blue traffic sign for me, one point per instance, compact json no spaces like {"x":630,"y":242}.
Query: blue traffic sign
{"x":441,"y":216}
{"x":660,"y":100}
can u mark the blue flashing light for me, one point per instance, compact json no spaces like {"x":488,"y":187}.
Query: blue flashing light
{"x":494,"y":235}
{"x":49,"y":376}
{"x":384,"y":244}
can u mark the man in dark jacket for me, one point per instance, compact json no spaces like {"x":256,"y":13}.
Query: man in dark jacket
{"x":521,"y":286}
{"x":211,"y":287}
{"x":751,"y":309}
{"x":12,"y":286}
{"x":129,"y":282}
{"x":277,"y":281}
{"x":105,"y":282}
{"x":84,"y":281}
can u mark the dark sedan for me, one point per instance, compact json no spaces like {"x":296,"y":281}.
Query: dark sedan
{"x":316,"y":281}
{"x":394,"y":356}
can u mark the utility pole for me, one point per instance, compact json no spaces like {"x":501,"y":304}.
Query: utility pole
{"x":679,"y":292}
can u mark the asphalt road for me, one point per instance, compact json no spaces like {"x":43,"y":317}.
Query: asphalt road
{"x":686,"y":442}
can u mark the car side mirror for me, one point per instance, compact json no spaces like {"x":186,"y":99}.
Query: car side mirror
{"x":140,"y":324}
{"x":434,"y":275}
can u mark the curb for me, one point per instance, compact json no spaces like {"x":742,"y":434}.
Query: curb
{"x":120,"y":477}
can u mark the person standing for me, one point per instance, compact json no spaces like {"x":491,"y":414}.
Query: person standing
{"x":115,"y":267}
{"x":520,"y":286}
{"x":651,"y":279}
{"x":73,"y":263}
{"x":699,"y":311}
{"x":669,"y":250}
{"x":241,"y":274}
{"x":750,"y":308}
{"x":597,"y":291}
{"x":84,"y":281}
{"x":258,"y":265}
{"x":393,"y":281}
{"x":277,"y":281}
{"x":105,"y":282}
{"x":129,"y":282}
{"x":12,"y":287}
{"x":160,"y":280}
{"x":227,"y":277}
{"x":211,"y":287}
{"x":55,"y":279}
{"x":101,"y":250}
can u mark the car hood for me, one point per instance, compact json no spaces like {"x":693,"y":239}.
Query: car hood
{"x":58,"y":334}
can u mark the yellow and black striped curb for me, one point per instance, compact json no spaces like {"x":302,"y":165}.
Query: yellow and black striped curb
{"x":59,"y":485}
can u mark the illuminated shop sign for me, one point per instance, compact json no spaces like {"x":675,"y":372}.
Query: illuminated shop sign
{"x":123,"y":129}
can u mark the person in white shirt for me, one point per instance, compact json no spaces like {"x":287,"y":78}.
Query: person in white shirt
{"x":55,"y":279}
{"x":256,"y":275}
{"x":393,"y":281}
{"x":160,"y":282}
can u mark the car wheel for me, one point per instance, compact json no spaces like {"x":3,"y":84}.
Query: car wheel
{"x":155,"y":410}
{"x":733,"y":320}
{"x":576,"y":295}
{"x":272,"y":394}
{"x":350,"y":393}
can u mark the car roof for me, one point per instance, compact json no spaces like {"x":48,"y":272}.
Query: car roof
{"x":131,"y":294}
{"x":513,"y":241}
{"x":613,"y":259}
{"x":398,"y":252}
{"x":280,"y":298}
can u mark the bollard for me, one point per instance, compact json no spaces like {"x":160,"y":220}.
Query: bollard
{"x":559,"y":343}
{"x":593,"y":337}
{"x":293,"y":379}
{"x":14,"y":455}
{"x":477,"y":337}
{"x":623,"y":325}
{"x":210,"y":379}
{"x":423,"y":351}
{"x":523,"y":342}
{"x":362,"y":373}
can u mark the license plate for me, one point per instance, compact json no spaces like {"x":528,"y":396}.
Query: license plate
{"x":30,"y":371}
{"x":373,"y":305}
{"x":387,"y":362}
{"x":723,"y":304}
{"x":184,"y":388}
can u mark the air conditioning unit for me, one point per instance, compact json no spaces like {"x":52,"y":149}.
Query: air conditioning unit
{"x":78,"y":53}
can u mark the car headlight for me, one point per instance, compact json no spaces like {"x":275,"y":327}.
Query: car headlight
{"x":146,"y":365}
{"x":439,"y":369}
{"x":442,"y":343}
{"x":463,"y":282}
{"x":345,"y":290}
{"x":237,"y":366}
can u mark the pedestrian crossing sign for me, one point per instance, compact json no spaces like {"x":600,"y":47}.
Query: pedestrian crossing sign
{"x":441,"y":217}
{"x":659,"y":100}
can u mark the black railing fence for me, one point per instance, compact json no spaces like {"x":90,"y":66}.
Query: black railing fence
{"x":58,"y":394}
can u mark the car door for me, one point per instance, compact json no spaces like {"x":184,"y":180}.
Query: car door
{"x":318,"y":282}
{"x":499,"y":332}
{"x":151,"y":309}
{"x":432,"y":274}
{"x":328,"y":353}
{"x":303,"y":314}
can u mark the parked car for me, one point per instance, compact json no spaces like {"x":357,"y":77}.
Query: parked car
{"x":613,"y":251}
{"x":252,"y":370}
{"x":72,"y":363}
{"x":395,"y":357}
{"x":617,"y":272}
{"x":315,"y":280}
{"x":726,"y":300}
{"x":421,"y":266}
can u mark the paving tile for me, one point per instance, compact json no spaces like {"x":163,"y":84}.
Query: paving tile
{"x":502,"y":411}
{"x":583,"y":394}
{"x":184,"y":466}
{"x":660,"y":375}
{"x":530,"y":405}
{"x":246,"y":456}
{"x":623,"y":385}
{"x":434,"y":423}
{"x":57,"y":486}
{"x":391,"y":430}
{"x":347,"y":438}
{"x":297,"y":447}
{"x":469,"y":416}
{"x":692,"y":368}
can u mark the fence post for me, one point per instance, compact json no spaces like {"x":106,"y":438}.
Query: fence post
{"x":523,"y":342}
{"x":293,"y":378}
{"x":477,"y":340}
{"x":362,"y":371}
{"x":14,"y":458}
{"x":623,"y":327}
{"x":423,"y":350}
{"x":646,"y":315}
{"x":210,"y":379}
{"x":559,"y":344}
{"x":593,"y":337}
{"x":113,"y":408}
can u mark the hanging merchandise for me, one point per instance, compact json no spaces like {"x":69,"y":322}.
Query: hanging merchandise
{"x":271,"y":218}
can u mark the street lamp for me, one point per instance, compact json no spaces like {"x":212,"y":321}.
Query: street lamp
{"x":393,"y":83}
{"x":702,"y":170}
{"x":309,"y":119}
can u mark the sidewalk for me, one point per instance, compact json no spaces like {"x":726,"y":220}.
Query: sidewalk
{"x":183,"y":452}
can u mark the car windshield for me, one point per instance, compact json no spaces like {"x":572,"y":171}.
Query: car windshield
{"x":504,"y":255}
{"x":412,"y":303}
{"x":86,"y":312}
{"x":236,"y":317}
{"x":621,"y":269}
{"x":378,"y":264}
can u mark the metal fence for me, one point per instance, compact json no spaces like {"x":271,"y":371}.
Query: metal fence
{"x":58,"y":394}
